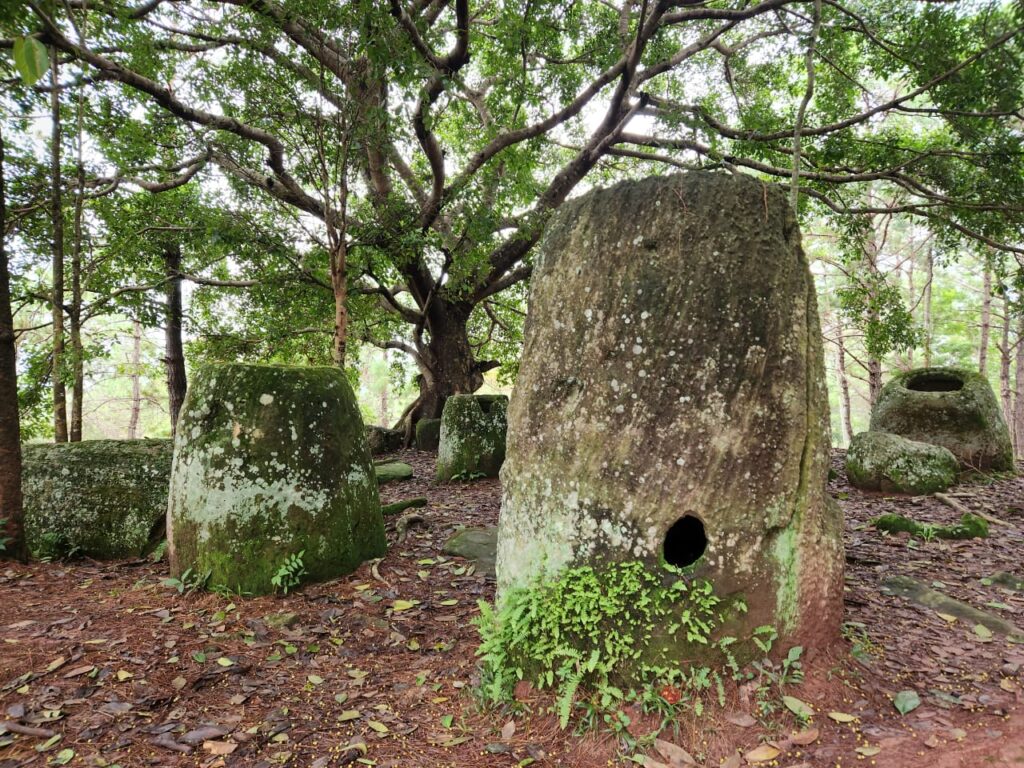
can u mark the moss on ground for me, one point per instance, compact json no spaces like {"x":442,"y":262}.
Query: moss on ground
{"x":969,"y":527}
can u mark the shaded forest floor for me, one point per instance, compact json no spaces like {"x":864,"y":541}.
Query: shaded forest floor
{"x":101,"y":664}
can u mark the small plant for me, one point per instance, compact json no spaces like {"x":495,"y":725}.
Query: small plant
{"x":188,"y":582}
{"x":466,"y":476}
{"x":587,"y":629}
{"x":290,"y":574}
{"x":3,"y":539}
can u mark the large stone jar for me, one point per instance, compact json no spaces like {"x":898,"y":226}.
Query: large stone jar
{"x":269,"y":462}
{"x":671,"y":404}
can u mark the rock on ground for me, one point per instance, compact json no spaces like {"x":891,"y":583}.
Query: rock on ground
{"x":428,"y":434}
{"x":99,"y":498}
{"x":882,"y":461}
{"x":271,"y":461}
{"x":477,"y":544}
{"x":952,"y":407}
{"x":392,"y":470}
{"x":472,"y":437}
{"x":383,"y":440}
{"x":671,"y":403}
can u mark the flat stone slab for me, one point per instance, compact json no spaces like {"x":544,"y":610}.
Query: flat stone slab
{"x":395,"y":470}
{"x":926,"y":597}
{"x":478,"y":544}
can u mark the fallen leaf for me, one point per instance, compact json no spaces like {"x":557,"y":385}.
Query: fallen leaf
{"x":178,"y":683}
{"x":842,"y":717}
{"x":946,"y":617}
{"x":315,"y":679}
{"x":742,"y":719}
{"x":868,"y":751}
{"x":799,"y":708}
{"x":906,"y":701}
{"x":762,"y":754}
{"x":224,"y":661}
{"x":220,"y":747}
{"x":402,"y":605}
{"x":77,"y":671}
{"x":803,"y":738}
{"x":983,"y":632}
{"x":349,"y":714}
{"x":676,"y":755}
{"x":378,"y":726}
{"x":123,"y":674}
{"x":508,"y":730}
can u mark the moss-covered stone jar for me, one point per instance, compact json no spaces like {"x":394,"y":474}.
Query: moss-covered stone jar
{"x":952,"y":407}
{"x":105,"y":499}
{"x":671,"y":407}
{"x":471,"y":442}
{"x":271,"y":461}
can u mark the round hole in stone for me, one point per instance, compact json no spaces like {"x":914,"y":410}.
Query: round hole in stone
{"x":685,"y":541}
{"x":935,"y":382}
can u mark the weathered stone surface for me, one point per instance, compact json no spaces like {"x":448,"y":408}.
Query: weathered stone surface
{"x":270,"y":461}
{"x":393,"y":470}
{"x":477,"y":544}
{"x":882,"y":461}
{"x":100,"y":498}
{"x":672,"y":374}
{"x":383,"y":440}
{"x":472,"y":439}
{"x":952,"y":407}
{"x":428,"y":434}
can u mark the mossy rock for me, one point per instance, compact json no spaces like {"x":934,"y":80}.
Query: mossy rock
{"x":271,"y":461}
{"x":882,"y":461}
{"x":969,"y":527}
{"x":383,"y":440}
{"x":428,"y":434}
{"x":101,"y":498}
{"x":472,"y":437}
{"x":477,"y":544}
{"x":671,"y":408}
{"x":952,"y":407}
{"x":393,"y":470}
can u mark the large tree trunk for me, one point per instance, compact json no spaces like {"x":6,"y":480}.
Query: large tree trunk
{"x":986,"y":320}
{"x":12,"y":533}
{"x":448,"y":366}
{"x":136,"y":376}
{"x":174,"y":351}
{"x":60,"y":413}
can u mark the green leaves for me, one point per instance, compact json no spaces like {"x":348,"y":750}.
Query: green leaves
{"x":906,"y":701}
{"x":31,"y":59}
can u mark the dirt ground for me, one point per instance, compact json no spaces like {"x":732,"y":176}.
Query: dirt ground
{"x":101,"y":664}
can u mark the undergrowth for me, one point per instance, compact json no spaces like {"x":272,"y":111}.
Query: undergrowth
{"x":587,"y":633}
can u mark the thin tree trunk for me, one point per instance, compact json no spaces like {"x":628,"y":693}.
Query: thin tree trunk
{"x":1018,"y":398}
{"x":174,"y":351}
{"x":1005,"y":357}
{"x":340,"y":287}
{"x":75,"y":315}
{"x":12,"y":532}
{"x":60,"y":414}
{"x":928,"y":309}
{"x":910,"y":293}
{"x":136,"y":375}
{"x":986,"y":320}
{"x":874,"y":381}
{"x":844,"y":382}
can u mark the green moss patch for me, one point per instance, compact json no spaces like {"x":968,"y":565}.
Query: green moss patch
{"x":391,"y":471}
{"x":100,"y":498}
{"x":969,"y":527}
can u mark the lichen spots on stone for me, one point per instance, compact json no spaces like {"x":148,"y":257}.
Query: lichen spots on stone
{"x":271,"y":477}
{"x":99,"y":498}
{"x":471,"y":438}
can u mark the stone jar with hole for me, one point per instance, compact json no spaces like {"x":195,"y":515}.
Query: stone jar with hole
{"x":472,"y":437}
{"x":952,"y":407}
{"x":671,"y":407}
{"x":271,"y":461}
